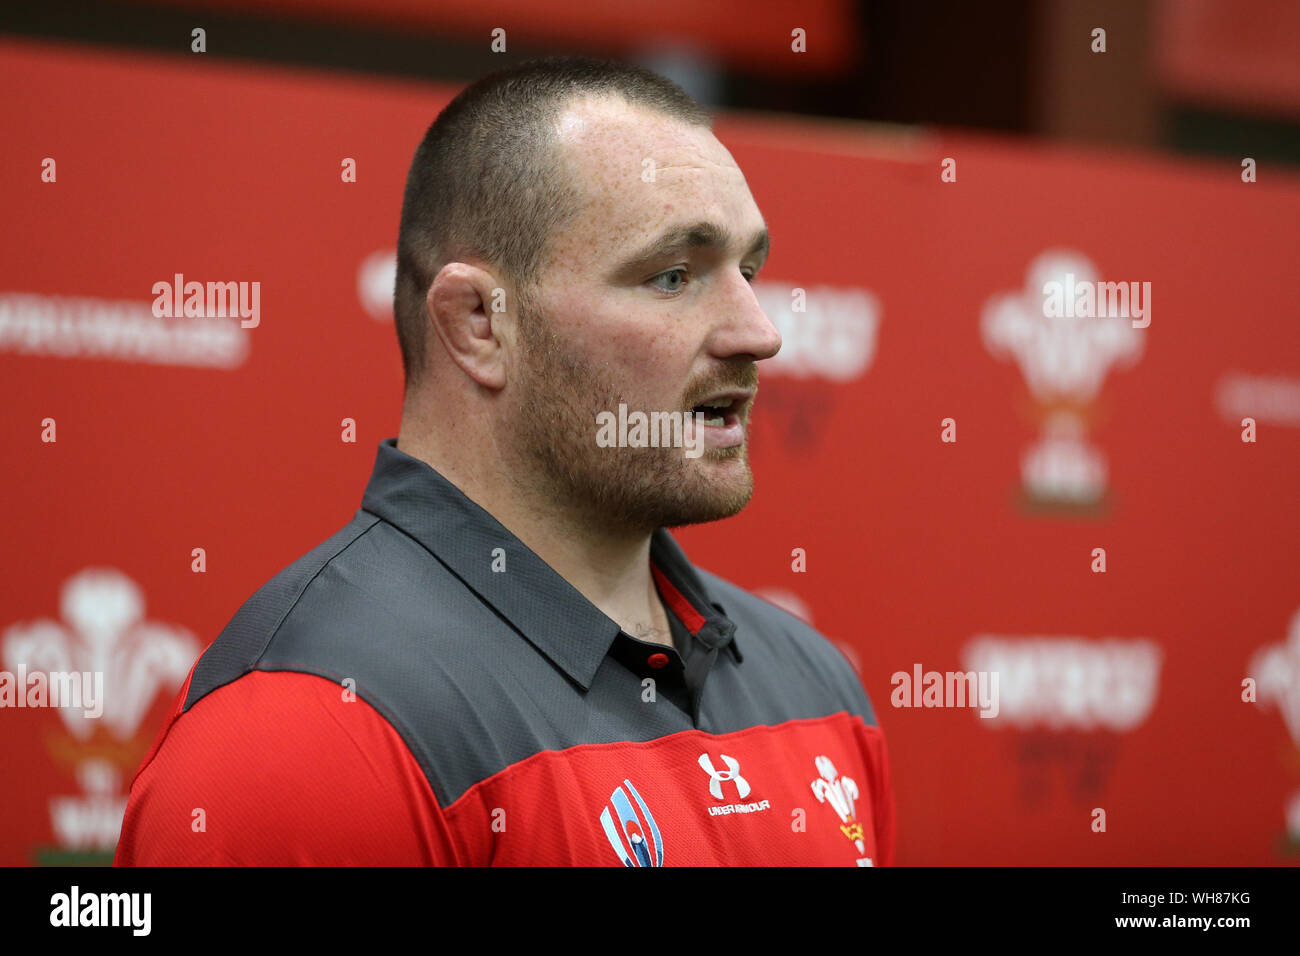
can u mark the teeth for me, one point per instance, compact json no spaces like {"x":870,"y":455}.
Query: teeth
{"x":719,"y":405}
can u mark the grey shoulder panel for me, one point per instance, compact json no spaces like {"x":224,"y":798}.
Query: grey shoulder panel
{"x":245,"y":638}
{"x":422,"y":648}
{"x":429,"y":655}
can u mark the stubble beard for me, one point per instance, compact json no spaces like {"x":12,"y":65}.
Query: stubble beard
{"x":629,"y":490}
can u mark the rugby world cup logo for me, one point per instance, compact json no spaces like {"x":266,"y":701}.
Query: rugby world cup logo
{"x":1064,"y":355}
{"x":635,"y":837}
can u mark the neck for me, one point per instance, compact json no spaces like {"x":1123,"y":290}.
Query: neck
{"x":610,"y":569}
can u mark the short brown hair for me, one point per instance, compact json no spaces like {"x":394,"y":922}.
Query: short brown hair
{"x":486,"y":183}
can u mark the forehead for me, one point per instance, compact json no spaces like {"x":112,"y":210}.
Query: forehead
{"x":611,"y":147}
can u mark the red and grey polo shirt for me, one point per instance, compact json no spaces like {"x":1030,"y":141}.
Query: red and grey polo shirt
{"x":422,"y":688}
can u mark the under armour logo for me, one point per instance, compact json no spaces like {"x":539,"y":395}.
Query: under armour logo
{"x":732,"y":773}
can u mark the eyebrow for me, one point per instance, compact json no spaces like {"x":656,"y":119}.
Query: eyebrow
{"x":696,"y":235}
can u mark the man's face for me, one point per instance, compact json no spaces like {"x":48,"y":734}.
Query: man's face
{"x":665,"y":330}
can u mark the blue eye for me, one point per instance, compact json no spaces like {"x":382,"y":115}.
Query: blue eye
{"x":750,"y":277}
{"x":680,"y":269}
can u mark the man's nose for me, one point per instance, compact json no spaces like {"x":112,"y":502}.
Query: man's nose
{"x":744,"y":328}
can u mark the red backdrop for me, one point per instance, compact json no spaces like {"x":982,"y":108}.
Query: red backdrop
{"x":1119,"y":691}
{"x":742,"y":32}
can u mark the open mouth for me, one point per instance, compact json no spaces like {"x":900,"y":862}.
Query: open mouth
{"x":720,"y":413}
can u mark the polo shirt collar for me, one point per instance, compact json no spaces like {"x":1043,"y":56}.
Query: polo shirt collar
{"x":546,"y":609}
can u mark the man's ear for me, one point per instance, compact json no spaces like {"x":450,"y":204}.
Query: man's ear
{"x":459,"y":307}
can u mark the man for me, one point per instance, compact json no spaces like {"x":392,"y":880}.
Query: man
{"x":504,"y":658}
